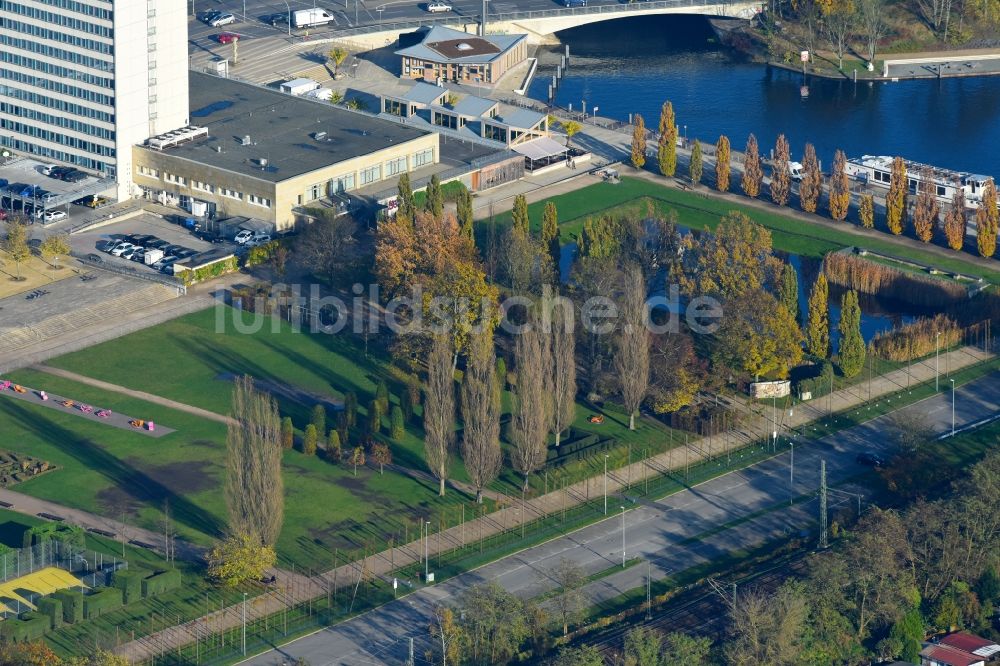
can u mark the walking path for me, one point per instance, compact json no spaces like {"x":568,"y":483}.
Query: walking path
{"x":385,"y":563}
{"x":132,"y":393}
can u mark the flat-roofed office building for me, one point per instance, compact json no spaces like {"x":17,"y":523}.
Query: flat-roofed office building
{"x":82,"y":81}
{"x":260,"y":153}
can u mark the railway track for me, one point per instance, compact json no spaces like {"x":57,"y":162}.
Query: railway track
{"x":699,"y":610}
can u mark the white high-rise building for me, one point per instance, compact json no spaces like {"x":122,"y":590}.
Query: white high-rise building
{"x":82,"y":81}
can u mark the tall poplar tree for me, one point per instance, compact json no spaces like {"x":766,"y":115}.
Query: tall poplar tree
{"x":519,"y":216}
{"x":464,"y":212}
{"x":818,"y":323}
{"x":812,"y":180}
{"x":638,"y":142}
{"x":550,"y":232}
{"x":840,"y":189}
{"x":986,"y":221}
{"x":852,"y":345}
{"x":434,"y":204}
{"x":753,"y":175}
{"x":925,"y":209}
{"x":788,"y":290}
{"x":439,"y":410}
{"x":866,"y":211}
{"x":954,"y":222}
{"x":481,"y":409}
{"x":895,"y":200}
{"x":695,"y":166}
{"x":781,"y":177}
{"x":407,"y":207}
{"x":722,"y":157}
{"x":666,"y":147}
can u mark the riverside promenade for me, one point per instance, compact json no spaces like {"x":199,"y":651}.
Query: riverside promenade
{"x":293,"y":589}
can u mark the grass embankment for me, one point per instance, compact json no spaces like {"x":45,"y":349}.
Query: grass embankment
{"x":703,"y":211}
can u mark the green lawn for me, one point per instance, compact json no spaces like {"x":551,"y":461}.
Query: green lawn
{"x":107,"y":471}
{"x":328,"y":509}
{"x":699,"y":211}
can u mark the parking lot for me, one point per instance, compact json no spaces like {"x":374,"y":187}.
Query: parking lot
{"x":149,"y":232}
{"x":26,"y":190}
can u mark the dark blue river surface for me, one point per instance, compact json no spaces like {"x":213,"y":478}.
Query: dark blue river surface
{"x":633,"y":65}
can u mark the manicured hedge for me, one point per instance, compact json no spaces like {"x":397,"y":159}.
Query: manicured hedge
{"x":160,"y":583}
{"x":817,"y":385}
{"x":53,"y":608}
{"x":99,"y":603}
{"x":72,"y":605}
{"x":129,"y":581}
{"x":29,"y":627}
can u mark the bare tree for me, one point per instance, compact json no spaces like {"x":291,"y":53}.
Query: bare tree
{"x":439,"y":409}
{"x":481,"y":414}
{"x":563,"y":368}
{"x":532,"y":407}
{"x":937,"y":13}
{"x":871,"y":17}
{"x":632,"y":359}
{"x":328,"y":247}
{"x":767,"y":629}
{"x":839,"y":25}
{"x":254,"y":491}
{"x":570,"y":603}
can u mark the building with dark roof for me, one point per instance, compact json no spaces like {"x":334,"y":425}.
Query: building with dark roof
{"x":260,"y":153}
{"x":446,"y":55}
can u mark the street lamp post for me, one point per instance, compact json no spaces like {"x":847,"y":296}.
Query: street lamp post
{"x":427,"y":566}
{"x":937,"y":347}
{"x":605,"y":484}
{"x":952,"y":407}
{"x":623,"y":537}
{"x":791,"y":471}
{"x":244,"y":623}
{"x":289,"y":10}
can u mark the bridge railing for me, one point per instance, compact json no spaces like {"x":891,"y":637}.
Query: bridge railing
{"x":621,"y":8}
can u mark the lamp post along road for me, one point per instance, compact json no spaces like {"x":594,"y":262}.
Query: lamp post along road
{"x":623,"y":537}
{"x":952,"y":407}
{"x":937,"y":348}
{"x":605,"y":484}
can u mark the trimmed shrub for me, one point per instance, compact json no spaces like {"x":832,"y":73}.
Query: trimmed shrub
{"x":406,"y":405}
{"x":129,"y":581}
{"x":160,"y":583}
{"x":29,"y":627}
{"x":398,"y":429}
{"x":287,"y":433}
{"x":99,"y":603}
{"x":333,"y":447}
{"x":351,"y":408}
{"x":319,"y":418}
{"x":382,"y":396}
{"x":53,"y":609}
{"x":72,"y":605}
{"x":309,"y":439}
{"x":374,"y":417}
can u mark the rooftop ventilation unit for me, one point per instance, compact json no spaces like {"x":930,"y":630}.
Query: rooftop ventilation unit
{"x":245,"y":141}
{"x":319,"y":136}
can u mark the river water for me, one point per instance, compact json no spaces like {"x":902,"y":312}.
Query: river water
{"x":633,"y":65}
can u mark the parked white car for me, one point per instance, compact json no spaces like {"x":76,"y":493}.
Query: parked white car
{"x":122,"y":249}
{"x":243,"y":236}
{"x":222,"y":19}
{"x":437,"y":6}
{"x":54,"y":215}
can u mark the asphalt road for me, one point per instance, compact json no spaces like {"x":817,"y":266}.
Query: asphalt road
{"x":675,"y":533}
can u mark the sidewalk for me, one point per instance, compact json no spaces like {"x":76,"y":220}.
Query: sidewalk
{"x":383,"y":564}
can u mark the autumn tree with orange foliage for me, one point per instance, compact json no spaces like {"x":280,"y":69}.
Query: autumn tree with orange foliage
{"x":812,"y":180}
{"x":840,"y":189}
{"x":409,"y":253}
{"x":781,"y":178}
{"x":753,"y":175}
{"x":895,"y":201}
{"x":954,"y":222}
{"x":925,"y":211}
{"x":986,"y":221}
{"x":722,"y":157}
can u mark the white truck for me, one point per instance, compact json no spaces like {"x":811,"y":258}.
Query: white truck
{"x":309,"y":18}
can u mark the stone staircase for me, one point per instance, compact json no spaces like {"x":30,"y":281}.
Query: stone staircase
{"x":19,"y":337}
